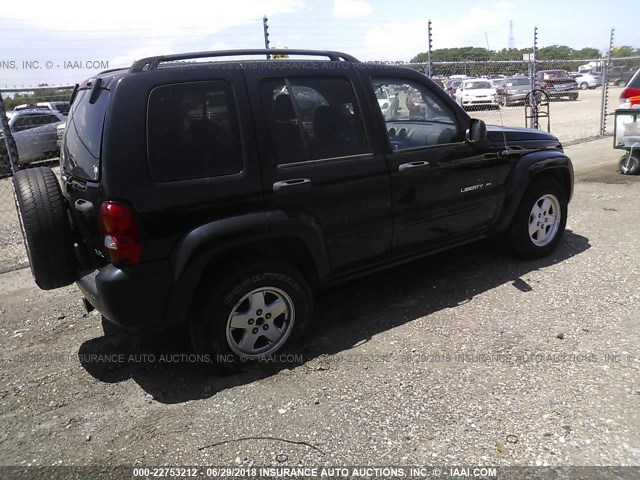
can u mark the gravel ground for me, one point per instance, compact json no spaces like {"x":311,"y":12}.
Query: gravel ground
{"x":465,"y":358}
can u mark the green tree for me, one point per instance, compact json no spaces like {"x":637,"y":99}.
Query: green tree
{"x":586,"y":53}
{"x":624,"y":51}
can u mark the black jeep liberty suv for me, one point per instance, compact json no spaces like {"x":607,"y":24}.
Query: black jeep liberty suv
{"x":220,"y":194}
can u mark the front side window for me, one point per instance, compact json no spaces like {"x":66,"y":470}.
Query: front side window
{"x":414,"y":115}
{"x":313,"y":118}
{"x":193,"y":131}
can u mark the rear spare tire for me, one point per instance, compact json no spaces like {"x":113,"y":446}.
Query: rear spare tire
{"x":45,"y":227}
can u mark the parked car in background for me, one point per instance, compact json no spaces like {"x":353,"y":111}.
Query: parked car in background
{"x":557,"y":84}
{"x":439,"y":81}
{"x":514,"y":90}
{"x":29,"y":106}
{"x":620,"y":75}
{"x":452,"y":86}
{"x":588,"y":80}
{"x":34,"y":131}
{"x":61,"y":107}
{"x":60,"y":134}
{"x":476,"y":93}
{"x":631,"y":90}
{"x":497,"y":83}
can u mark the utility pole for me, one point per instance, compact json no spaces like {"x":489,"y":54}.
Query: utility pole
{"x":532,"y":72}
{"x":512,"y":40}
{"x":265,"y":27}
{"x":429,"y":70}
{"x":605,"y":88}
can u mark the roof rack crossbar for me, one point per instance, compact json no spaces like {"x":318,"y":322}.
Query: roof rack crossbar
{"x":151,"y":63}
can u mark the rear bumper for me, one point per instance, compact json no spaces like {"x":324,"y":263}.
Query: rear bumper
{"x":134,"y":298}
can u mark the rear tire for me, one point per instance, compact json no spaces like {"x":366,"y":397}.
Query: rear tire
{"x":629,"y":164}
{"x":45,"y":227}
{"x":573,"y":97}
{"x":260,"y":309}
{"x":539,"y":223}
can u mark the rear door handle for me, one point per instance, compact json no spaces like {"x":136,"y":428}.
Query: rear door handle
{"x":83,"y":206}
{"x":293,"y":183}
{"x":405,"y":167}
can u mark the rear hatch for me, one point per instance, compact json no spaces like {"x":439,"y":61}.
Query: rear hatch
{"x":80,"y":168}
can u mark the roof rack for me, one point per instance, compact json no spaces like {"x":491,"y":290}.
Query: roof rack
{"x":151,"y":63}
{"x":110,"y":70}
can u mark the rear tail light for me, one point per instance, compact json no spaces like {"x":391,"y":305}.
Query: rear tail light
{"x":121,"y":233}
{"x":627,"y":94}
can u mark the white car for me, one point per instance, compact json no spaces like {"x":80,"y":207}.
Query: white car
{"x":588,"y":80}
{"x":477,"y":93}
{"x":34,"y":131}
{"x":388,"y":102}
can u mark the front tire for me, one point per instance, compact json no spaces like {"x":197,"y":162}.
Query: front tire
{"x":539,"y":223}
{"x":584,"y":86}
{"x":261,"y":309}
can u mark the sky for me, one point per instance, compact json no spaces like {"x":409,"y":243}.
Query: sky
{"x":64,"y":43}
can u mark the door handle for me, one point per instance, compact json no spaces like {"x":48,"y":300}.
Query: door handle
{"x":83,"y":206}
{"x":405,"y":167}
{"x":293,"y":183}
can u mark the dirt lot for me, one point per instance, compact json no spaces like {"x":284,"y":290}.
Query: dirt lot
{"x":465,"y":358}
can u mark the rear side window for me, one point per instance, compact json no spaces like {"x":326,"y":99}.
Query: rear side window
{"x":83,"y":135}
{"x":313,"y":118}
{"x":193,"y":131}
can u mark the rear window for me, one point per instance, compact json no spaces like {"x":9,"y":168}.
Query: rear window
{"x":63,"y":108}
{"x":193,"y":131}
{"x":84,"y":135}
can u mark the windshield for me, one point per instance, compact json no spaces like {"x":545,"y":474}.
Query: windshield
{"x":556,"y":74}
{"x":83,"y":135}
{"x":476,"y":85}
{"x":519,"y":81}
{"x":382,"y":95}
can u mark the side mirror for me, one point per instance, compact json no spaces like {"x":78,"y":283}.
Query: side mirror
{"x":477,"y":131}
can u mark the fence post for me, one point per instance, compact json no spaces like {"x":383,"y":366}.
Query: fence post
{"x":429,"y":59}
{"x":9,"y":142}
{"x":605,"y":88}
{"x":533,"y":70}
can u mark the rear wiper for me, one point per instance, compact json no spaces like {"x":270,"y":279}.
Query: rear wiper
{"x":95,"y":91}
{"x":73,"y":94}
